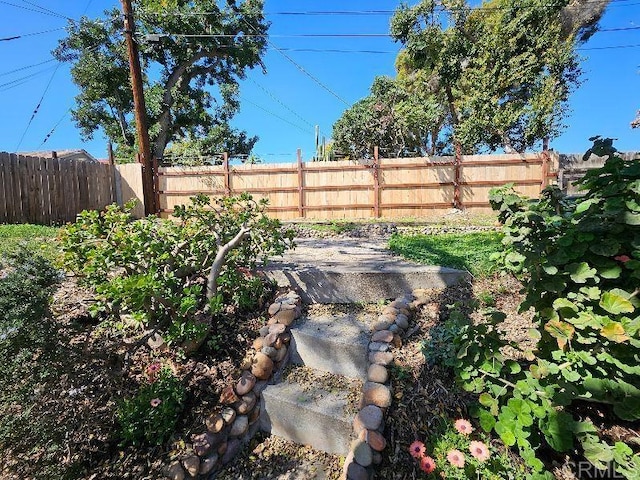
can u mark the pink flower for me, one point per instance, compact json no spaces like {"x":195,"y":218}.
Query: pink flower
{"x":153,"y":368}
{"x":479,"y":450}
{"x":417,"y":449}
{"x":155,"y":402}
{"x":427,"y":464}
{"x":463,"y":426}
{"x":456,"y":458}
{"x":622,"y":258}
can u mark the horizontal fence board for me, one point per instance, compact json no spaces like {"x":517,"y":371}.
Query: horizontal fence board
{"x":392,"y":188}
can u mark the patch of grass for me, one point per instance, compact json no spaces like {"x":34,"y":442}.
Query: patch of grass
{"x":334,"y":227}
{"x":470,"y":251}
{"x":37,"y":238}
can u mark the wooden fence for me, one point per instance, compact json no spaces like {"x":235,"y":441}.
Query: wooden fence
{"x":389,"y":188}
{"x":51,"y":191}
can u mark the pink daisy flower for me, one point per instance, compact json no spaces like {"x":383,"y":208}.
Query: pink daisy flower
{"x":153,"y":368}
{"x":155,"y":402}
{"x":479,"y":450}
{"x":427,"y":464}
{"x":463,"y":426}
{"x":622,"y":258}
{"x":417,"y":449}
{"x":456,"y":458}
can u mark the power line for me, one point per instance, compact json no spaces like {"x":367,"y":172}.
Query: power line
{"x":54,"y":128}
{"x":27,"y":67}
{"x":37,"y":109}
{"x":32,"y":9}
{"x":16,"y":37}
{"x":611,"y":47}
{"x":275,"y":115}
{"x":276,"y":99}
{"x":44,"y":9}
{"x":28,"y":77}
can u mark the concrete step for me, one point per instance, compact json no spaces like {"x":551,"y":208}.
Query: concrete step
{"x":308,"y":414}
{"x":335,"y":344}
{"x":348,"y":271}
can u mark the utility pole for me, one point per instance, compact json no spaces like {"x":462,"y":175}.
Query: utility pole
{"x":140,"y":111}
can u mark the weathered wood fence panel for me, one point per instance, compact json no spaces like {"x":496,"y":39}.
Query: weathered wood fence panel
{"x":51,"y":191}
{"x":390,"y":188}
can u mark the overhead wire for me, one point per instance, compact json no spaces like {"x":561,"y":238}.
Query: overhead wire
{"x":54,"y":128}
{"x":275,"y":115}
{"x":16,"y":37}
{"x":37,"y":109}
{"x":27,"y":67}
{"x":47,"y":10}
{"x":280,"y":102}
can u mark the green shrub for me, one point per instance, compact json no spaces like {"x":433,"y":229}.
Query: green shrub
{"x":151,"y":415}
{"x":173,"y":275}
{"x":580,"y":263}
{"x":27,"y":333}
{"x":27,"y":281}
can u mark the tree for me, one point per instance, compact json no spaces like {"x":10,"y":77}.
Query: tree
{"x":501,"y":74}
{"x":185,"y":47}
{"x":403,"y":122}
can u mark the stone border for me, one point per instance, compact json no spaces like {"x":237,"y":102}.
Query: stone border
{"x":238,"y":420}
{"x":368,"y":424}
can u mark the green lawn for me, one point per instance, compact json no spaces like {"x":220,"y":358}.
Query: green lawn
{"x":466,"y":251}
{"x":38,"y":238}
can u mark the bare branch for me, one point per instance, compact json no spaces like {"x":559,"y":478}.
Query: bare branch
{"x":218,"y":262}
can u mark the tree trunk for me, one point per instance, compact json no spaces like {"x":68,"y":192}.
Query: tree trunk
{"x":581,"y":16}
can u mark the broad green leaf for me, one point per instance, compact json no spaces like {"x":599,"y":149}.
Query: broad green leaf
{"x":486,"y":400}
{"x":598,"y":453}
{"x":565,"y":307}
{"x":508,"y":438}
{"x":610,"y":273}
{"x":592,"y":292}
{"x":514,"y":367}
{"x":584,"y":205}
{"x":605,"y":248}
{"x":615,"y":303}
{"x":557,"y":429}
{"x":628,"y":409}
{"x":631,"y":218}
{"x":561,"y":331}
{"x":585,"y":319}
{"x":614,"y":331}
{"x":581,"y":272}
{"x":487,"y":421}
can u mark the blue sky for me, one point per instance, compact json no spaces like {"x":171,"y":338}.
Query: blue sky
{"x":302,"y":87}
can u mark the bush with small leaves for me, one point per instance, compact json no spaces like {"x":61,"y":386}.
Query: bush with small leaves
{"x":172,"y":275}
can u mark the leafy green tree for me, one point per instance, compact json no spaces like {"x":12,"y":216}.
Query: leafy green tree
{"x":402,"y":121}
{"x":498,"y":76}
{"x":179,"y":61}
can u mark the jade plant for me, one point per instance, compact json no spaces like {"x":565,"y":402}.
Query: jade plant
{"x":172,"y":275}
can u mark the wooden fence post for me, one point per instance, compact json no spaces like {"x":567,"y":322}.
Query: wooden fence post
{"x":156,"y":186}
{"x":457,"y":203}
{"x":544,"y":171}
{"x":301,"y":212}
{"x":376,"y":182}
{"x":227,"y":173}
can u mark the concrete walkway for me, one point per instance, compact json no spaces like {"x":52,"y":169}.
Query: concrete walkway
{"x":346,"y":270}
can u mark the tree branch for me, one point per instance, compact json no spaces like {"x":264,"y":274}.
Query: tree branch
{"x":218,"y":262}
